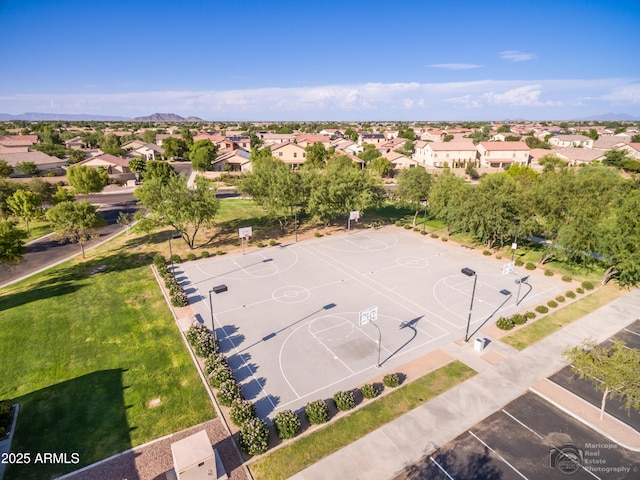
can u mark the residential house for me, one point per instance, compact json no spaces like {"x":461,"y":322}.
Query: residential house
{"x":391,"y":134}
{"x":290,"y":153}
{"x":45,"y":163}
{"x":632,"y":150}
{"x":503,"y":154}
{"x":609,"y":142}
{"x":111,"y":163}
{"x":399,"y":161}
{"x":150,"y":151}
{"x":454,"y":153}
{"x":133,"y":145}
{"x":235,"y":142}
{"x":579,"y":156}
{"x":331,"y":132}
{"x":391,"y":145}
{"x":16,"y":143}
{"x":235,"y":161}
{"x":372,"y":138}
{"x":74,"y":143}
{"x":434,"y":135}
{"x":565,"y":141}
{"x":306,"y":140}
{"x":161,"y":136}
{"x":271,"y":138}
{"x":347,"y":146}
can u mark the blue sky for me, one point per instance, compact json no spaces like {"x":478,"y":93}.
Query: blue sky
{"x":310,"y":60}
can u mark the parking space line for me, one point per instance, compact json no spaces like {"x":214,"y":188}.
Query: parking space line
{"x":442,"y":469}
{"x":499,"y":456}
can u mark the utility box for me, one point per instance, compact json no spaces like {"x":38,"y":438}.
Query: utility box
{"x":195,"y":459}
{"x":478,"y":344}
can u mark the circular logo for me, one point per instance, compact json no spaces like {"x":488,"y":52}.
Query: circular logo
{"x":568,"y":459}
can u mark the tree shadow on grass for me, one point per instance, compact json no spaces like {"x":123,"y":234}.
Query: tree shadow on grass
{"x":85,"y":415}
{"x":68,"y":279}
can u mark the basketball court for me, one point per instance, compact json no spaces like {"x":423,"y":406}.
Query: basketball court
{"x":304,"y":320}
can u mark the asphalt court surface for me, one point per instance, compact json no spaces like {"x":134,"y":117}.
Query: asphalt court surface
{"x":585,"y":388}
{"x":527,"y":439}
{"x":289,"y":322}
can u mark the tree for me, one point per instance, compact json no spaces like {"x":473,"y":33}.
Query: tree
{"x":157,"y":169}
{"x":75,"y":221}
{"x":551,"y":161}
{"x":173,"y":203}
{"x":25,"y":205}
{"x":413,"y":188}
{"x":43,"y":189}
{"x":615,"y":158}
{"x":137,"y":164}
{"x":254,"y":140}
{"x":351,"y":134}
{"x":149,"y":136}
{"x":202,"y":154}
{"x":27,"y":168}
{"x":614,"y":371}
{"x":75,"y":156}
{"x":446,"y":198}
{"x":111,"y":145}
{"x":407,"y":133}
{"x":5,"y":168}
{"x":173,"y":147}
{"x":51,"y":149}
{"x":380,"y":166}
{"x":341,"y":188}
{"x":62,"y":195}
{"x":275,"y":187}
{"x":619,"y":240}
{"x":85,"y":180}
{"x":317,"y":156}
{"x":187,"y":137}
{"x":504,"y":128}
{"x":12,"y":246}
{"x":370,"y":152}
{"x":533,"y":142}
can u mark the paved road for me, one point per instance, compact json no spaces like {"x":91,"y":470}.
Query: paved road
{"x":46,"y":251}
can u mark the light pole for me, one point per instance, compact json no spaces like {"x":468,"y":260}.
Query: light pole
{"x":519,"y":282}
{"x":295,"y":214}
{"x":470,"y":273}
{"x":217,"y":289}
{"x":424,"y":224}
{"x":515,"y":242}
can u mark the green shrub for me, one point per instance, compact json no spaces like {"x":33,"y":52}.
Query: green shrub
{"x":504,"y":323}
{"x":202,"y":340}
{"x":344,"y":400}
{"x":434,"y":235}
{"x":486,"y":253}
{"x":191,"y":256}
{"x":541,"y":309}
{"x":416,"y":229}
{"x":560,"y":299}
{"x":498,"y":257}
{"x":259,"y":244}
{"x":408,"y":226}
{"x":588,"y":285}
{"x":580,"y":290}
{"x":369,"y":391}
{"x":530,"y":315}
{"x":205,"y":254}
{"x":391,"y":380}
{"x":518,"y":262}
{"x":287,"y":424}
{"x":317,"y":234}
{"x":566,"y":278}
{"x":570,"y":294}
{"x":317,"y":412}
{"x":219,"y":252}
{"x":254,"y":437}
{"x":272,"y":243}
{"x":175,"y":258}
{"x":5,"y":416}
{"x":530,"y":266}
{"x":179,"y":299}
{"x":423,"y":232}
{"x":241,"y":412}
{"x":159,"y":261}
{"x":548,"y":273}
{"x":444,"y":239}
{"x":220,"y":375}
{"x":552,"y":303}
{"x":519,"y":319}
{"x":398,"y":223}
{"x":214,"y":361}
{"x":228,"y":392}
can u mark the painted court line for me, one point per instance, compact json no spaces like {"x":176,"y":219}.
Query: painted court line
{"x":442,"y":469}
{"x":336,"y":357}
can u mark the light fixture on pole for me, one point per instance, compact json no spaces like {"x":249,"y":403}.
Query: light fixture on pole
{"x":515,"y":241}
{"x":470,"y":273}
{"x":519,"y":282}
{"x":217,"y":289}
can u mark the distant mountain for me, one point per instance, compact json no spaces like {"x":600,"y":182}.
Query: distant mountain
{"x":611,"y":117}
{"x":36,"y":117}
{"x":166,"y":117}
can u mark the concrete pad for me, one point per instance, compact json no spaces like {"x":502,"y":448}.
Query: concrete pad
{"x":389,"y":459}
{"x":339,"y":464}
{"x":421,"y":430}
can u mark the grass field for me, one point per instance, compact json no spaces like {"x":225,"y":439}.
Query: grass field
{"x":306,"y":451}
{"x":554,"y":321}
{"x":87,"y":356}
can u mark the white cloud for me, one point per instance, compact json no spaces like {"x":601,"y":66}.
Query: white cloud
{"x":517,"y":56}
{"x":401,"y":100}
{"x":455,"y":66}
{"x":624,"y":95}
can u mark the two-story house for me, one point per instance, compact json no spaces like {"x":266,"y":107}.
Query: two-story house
{"x":565,"y":141}
{"x":503,"y":154}
{"x":291,"y":153}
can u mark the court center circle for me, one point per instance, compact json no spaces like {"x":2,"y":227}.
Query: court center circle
{"x":291,"y":294}
{"x":412,"y":262}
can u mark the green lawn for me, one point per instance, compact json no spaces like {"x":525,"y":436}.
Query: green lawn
{"x":85,"y":353}
{"x":306,"y":451}
{"x":556,"y":320}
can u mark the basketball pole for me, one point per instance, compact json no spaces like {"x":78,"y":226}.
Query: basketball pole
{"x":379,"y":342}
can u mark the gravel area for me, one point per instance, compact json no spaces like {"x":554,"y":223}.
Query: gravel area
{"x":153,"y":460}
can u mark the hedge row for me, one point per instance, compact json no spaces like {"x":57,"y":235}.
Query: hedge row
{"x":176,"y":292}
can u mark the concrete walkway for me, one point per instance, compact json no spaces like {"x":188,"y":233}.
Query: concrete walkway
{"x":504,"y":375}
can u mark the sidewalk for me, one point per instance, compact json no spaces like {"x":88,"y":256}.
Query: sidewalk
{"x":504,"y":374}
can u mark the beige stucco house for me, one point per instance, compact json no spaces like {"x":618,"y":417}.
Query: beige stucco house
{"x":503,"y":154}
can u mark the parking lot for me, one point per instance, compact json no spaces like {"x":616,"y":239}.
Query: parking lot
{"x":527,"y":439}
